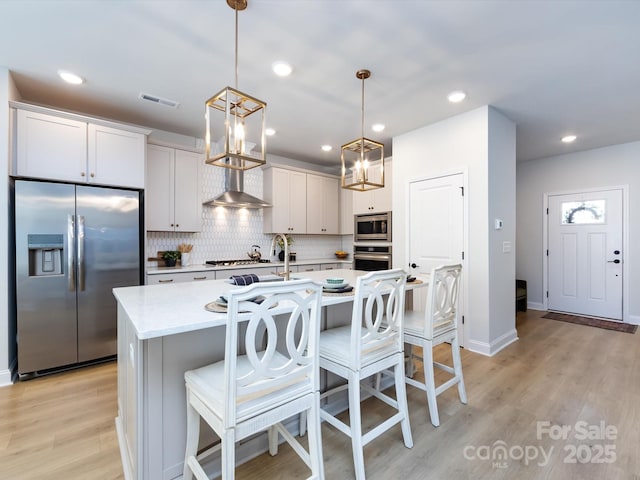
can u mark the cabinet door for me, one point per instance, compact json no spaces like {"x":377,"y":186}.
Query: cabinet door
{"x":115,"y":157}
{"x":187,"y":201}
{"x":378,"y":200}
{"x":297,"y":202}
{"x":281,"y":201}
{"x":287,"y":192}
{"x":346,"y":211}
{"x":322,"y":205}
{"x":159,"y":193}
{"x":315,"y":204}
{"x":51,"y":147}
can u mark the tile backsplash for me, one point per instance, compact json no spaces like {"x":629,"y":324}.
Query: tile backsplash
{"x":228,"y":233}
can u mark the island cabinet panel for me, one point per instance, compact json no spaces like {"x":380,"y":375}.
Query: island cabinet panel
{"x":378,"y":200}
{"x":286,"y":190}
{"x":59,"y":148}
{"x":323,"y":198}
{"x":173,"y":197}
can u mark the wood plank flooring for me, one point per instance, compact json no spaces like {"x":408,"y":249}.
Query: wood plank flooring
{"x":62,"y":426}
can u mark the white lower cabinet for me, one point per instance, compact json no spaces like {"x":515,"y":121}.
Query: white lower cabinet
{"x":330,"y":266}
{"x":173,"y":199}
{"x":179,"y":277}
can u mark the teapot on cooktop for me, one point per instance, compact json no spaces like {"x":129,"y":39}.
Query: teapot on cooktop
{"x":255,"y":253}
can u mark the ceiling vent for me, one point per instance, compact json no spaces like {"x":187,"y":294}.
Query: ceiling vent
{"x":160,"y":101}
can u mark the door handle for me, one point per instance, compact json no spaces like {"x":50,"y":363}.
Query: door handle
{"x":413,"y":265}
{"x":614,"y":261}
{"x":71,"y":241}
{"x":81,"y":252}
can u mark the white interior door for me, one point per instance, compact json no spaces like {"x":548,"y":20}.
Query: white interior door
{"x":586,"y":253}
{"x":436,"y":229}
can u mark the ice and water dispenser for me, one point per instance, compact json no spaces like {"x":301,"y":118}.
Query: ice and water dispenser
{"x":45,"y":254}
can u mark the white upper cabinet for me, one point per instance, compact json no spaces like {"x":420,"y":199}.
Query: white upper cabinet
{"x":323,"y":194}
{"x":286,"y":190}
{"x":61,"y":148}
{"x":346,"y":211}
{"x":378,"y":200}
{"x":173,"y":201}
{"x":115,"y":157}
{"x":51,"y":147}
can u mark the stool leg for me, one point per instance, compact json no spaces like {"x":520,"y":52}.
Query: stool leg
{"x":356,"y":425}
{"x":430,"y":383}
{"x":457,"y":367}
{"x":315,"y":439}
{"x":403,"y":407}
{"x":228,"y":455}
{"x":273,"y":441}
{"x":193,"y":434}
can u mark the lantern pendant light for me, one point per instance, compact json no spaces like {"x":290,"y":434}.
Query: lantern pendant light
{"x":362,"y":159}
{"x":235,"y":122}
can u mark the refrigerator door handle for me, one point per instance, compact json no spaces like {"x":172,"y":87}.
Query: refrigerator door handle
{"x":81,"y":253}
{"x":71,"y":240}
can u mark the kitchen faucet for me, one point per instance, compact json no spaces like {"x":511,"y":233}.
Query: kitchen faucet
{"x":286,"y":252}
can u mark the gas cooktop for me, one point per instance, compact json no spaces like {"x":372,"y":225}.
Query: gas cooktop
{"x":230,"y":263}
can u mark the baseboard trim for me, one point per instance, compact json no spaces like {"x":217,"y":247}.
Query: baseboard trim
{"x":536,"y":306}
{"x":633,"y":319}
{"x":5,"y":378}
{"x":490,"y":349}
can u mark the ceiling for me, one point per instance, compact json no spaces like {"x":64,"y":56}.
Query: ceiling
{"x":553,"y":67}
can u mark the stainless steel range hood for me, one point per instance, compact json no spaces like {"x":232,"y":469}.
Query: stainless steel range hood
{"x":234,"y":196}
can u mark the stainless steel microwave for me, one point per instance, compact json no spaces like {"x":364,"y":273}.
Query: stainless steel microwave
{"x":372,"y":226}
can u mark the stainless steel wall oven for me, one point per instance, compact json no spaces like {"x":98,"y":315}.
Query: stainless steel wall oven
{"x":372,"y":257}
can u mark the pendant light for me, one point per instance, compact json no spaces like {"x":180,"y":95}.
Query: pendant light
{"x":235,"y":122}
{"x":362,"y":159}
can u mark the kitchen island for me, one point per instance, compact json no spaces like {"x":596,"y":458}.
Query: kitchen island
{"x":164,"y":330}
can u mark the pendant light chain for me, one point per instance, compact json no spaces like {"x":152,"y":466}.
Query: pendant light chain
{"x":236,"y":9}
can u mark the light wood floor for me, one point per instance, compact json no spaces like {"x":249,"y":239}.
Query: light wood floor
{"x":62,"y":426}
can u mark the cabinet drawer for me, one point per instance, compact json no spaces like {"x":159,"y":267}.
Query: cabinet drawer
{"x":179,"y":277}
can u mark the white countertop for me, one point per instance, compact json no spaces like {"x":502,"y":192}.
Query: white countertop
{"x":205,"y":267}
{"x":167,"y":309}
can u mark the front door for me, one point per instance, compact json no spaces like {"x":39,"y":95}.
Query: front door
{"x":586,"y":253}
{"x":436,"y":229}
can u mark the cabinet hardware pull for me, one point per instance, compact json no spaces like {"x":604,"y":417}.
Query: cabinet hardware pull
{"x":93,"y":175}
{"x":82,"y":174}
{"x":199,"y":278}
{"x":166,"y":281}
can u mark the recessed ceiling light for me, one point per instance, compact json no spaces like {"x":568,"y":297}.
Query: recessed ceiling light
{"x":568,"y":138}
{"x":326,"y":148}
{"x":457,"y":96}
{"x":70,"y":77}
{"x":377,"y":127}
{"x":282,"y":69}
{"x":269,"y":132}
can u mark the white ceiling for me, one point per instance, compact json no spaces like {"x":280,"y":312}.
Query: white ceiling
{"x":553,"y":67}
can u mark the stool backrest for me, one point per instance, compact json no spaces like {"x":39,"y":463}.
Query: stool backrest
{"x":252,"y":331}
{"x":378,"y":312}
{"x":442,"y":300}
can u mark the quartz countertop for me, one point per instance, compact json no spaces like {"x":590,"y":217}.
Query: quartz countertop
{"x":167,"y":309}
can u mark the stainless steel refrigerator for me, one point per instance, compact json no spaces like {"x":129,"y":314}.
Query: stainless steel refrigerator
{"x":74,"y":244}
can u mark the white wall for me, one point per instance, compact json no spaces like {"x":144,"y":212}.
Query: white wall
{"x":481,"y":143}
{"x":603,"y":167}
